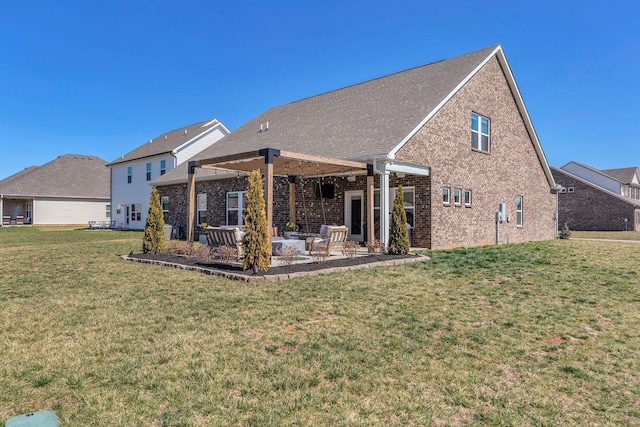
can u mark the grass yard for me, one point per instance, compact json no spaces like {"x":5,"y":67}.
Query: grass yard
{"x":533,"y":334}
{"x":606,"y":235}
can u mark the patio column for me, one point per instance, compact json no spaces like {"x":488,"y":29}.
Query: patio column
{"x":269,"y":154}
{"x":191,"y":200}
{"x":292,"y":199}
{"x":384,"y":207}
{"x":371,"y":233}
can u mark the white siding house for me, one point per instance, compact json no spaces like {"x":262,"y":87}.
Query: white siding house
{"x":132,"y":173}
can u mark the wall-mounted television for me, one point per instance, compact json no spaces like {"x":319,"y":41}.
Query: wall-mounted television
{"x":325,"y":191}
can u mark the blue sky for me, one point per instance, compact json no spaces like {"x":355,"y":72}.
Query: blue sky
{"x":101,"y":78}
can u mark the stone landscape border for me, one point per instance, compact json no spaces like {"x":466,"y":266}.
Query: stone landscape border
{"x":278,"y":277}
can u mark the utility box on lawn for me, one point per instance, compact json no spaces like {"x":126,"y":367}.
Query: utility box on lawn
{"x":34,"y":419}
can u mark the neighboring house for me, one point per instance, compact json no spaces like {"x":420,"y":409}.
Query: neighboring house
{"x":603,"y":200}
{"x":72,"y":189}
{"x":132,"y":173}
{"x":455,"y":134}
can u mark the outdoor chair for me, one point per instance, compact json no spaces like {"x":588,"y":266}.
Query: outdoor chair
{"x":333,"y":238}
{"x":20,"y":220}
{"x":6,"y":220}
{"x":226,"y":236}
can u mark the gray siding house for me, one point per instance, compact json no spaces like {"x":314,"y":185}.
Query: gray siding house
{"x":72,"y":189}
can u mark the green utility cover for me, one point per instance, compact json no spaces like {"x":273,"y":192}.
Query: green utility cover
{"x":34,"y":419}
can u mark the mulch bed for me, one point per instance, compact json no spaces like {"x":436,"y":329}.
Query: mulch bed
{"x":275,"y":273}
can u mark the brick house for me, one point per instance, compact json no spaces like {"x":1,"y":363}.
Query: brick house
{"x":602,"y":200}
{"x":455,"y":134}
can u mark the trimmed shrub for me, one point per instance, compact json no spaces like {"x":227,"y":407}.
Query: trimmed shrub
{"x":398,"y":236}
{"x":565,"y":233}
{"x":153,"y":241}
{"x":257,"y":250}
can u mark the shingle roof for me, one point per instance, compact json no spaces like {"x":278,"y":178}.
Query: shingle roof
{"x":71,"y":175}
{"x":624,"y":175}
{"x":597,"y":187}
{"x":365,"y":119}
{"x":168,"y":141}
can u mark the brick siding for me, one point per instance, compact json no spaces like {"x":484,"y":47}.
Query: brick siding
{"x":588,"y":208}
{"x":511,"y":168}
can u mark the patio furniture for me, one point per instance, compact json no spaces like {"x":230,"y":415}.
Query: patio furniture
{"x":226,"y":236}
{"x":6,"y":220}
{"x":333,"y":239}
{"x":20,"y":220}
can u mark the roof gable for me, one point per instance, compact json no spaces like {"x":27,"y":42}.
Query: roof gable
{"x":595,"y":186}
{"x":172,"y":141}
{"x":71,"y":175}
{"x":623,"y":175}
{"x":363,"y":120}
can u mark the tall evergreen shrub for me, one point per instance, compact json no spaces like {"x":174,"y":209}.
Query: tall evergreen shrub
{"x":257,"y":250}
{"x":153,"y":241}
{"x":398,"y":235}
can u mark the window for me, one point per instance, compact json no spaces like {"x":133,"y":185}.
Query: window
{"x":446,"y":195}
{"x":163,"y":167}
{"x":570,"y":190}
{"x":136,"y":210}
{"x":235,"y":205}
{"x":164,"y":201}
{"x":129,"y":175}
{"x":118,"y":209}
{"x":201,"y":203}
{"x":563,"y":190}
{"x":148,"y":171}
{"x":408,"y":194}
{"x":519,"y":211}
{"x":479,"y":132}
{"x":409,"y":206}
{"x":29,"y":210}
{"x":467,"y":197}
{"x":456,"y":196}
{"x":108,"y":211}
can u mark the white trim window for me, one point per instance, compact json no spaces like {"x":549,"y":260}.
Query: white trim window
{"x":136,"y":212}
{"x":467,"y":197}
{"x":148,"y":171}
{"x":409,"y":196}
{"x":28,"y":210}
{"x":235,"y":205}
{"x":446,"y":195}
{"x":108,"y":211}
{"x":163,"y":167}
{"x":129,"y":174}
{"x":201,"y":204}
{"x":479,"y":132}
{"x":519,"y":205}
{"x":457,"y":196}
{"x":164,"y":202}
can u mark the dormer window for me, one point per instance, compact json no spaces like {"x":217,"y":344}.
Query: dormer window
{"x":479,"y":132}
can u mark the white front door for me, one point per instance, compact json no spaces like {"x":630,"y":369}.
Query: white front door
{"x":354,"y":214}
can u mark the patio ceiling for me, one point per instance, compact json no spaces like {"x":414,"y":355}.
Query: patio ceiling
{"x":285,"y":163}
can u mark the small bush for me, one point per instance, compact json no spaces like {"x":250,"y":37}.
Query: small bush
{"x":565,"y":233}
{"x":350,"y":248}
{"x":202,"y":253}
{"x":288,"y":255}
{"x":319,"y":253}
{"x":226,"y":254}
{"x":375,"y":247}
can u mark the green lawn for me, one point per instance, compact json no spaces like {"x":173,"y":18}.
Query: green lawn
{"x":533,"y":334}
{"x":609,"y":235}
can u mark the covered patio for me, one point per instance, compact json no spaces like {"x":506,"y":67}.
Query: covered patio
{"x":16,"y":210}
{"x":279,"y":163}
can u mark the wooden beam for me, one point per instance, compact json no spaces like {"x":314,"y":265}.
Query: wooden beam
{"x":292,"y":199}
{"x":268,"y":196}
{"x":320,"y":159}
{"x":191,"y":201}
